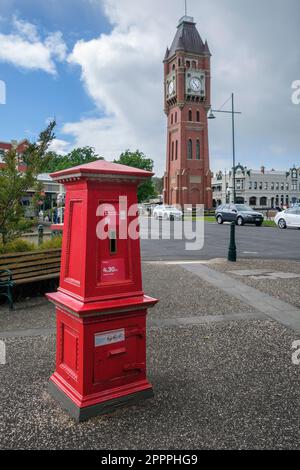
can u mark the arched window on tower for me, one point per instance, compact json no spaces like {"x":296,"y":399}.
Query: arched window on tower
{"x":194,"y":64}
{"x":176,"y":150}
{"x":198,"y":116}
{"x":190,"y":115}
{"x":172,"y":151}
{"x":173,"y":68}
{"x":198,"y":151}
{"x":188,"y":64}
{"x":190,"y":149}
{"x":176,"y":117}
{"x":171,"y":119}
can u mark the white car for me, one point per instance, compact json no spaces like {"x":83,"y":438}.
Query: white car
{"x":288,"y":218}
{"x":167,"y":213}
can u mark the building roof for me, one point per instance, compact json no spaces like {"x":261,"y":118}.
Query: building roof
{"x":45,"y":177}
{"x":188,"y":39}
{"x":101,"y":167}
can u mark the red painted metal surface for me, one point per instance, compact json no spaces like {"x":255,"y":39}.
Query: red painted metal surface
{"x":100,"y":304}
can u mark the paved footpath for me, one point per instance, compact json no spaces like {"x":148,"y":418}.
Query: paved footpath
{"x":220,"y":361}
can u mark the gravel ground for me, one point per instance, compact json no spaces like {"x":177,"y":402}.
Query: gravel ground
{"x":34,"y":313}
{"x":183,"y":294}
{"x":287,"y":290}
{"x":218,"y":386}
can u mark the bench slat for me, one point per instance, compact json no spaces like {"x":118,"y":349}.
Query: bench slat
{"x":26,"y":259}
{"x":36,"y":279}
{"x":41,"y":263}
{"x":32,"y":269}
{"x":35,"y":274}
{"x":29,"y":253}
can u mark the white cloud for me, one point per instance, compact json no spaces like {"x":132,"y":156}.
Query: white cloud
{"x":24,"y":48}
{"x":62,"y":147}
{"x":123,"y":73}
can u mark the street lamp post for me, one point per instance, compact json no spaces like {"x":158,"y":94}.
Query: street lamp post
{"x":233,"y":113}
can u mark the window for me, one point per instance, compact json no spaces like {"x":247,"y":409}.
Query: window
{"x":2,"y":153}
{"x":188,"y":64}
{"x":176,"y":151}
{"x":287,"y":186}
{"x":250,"y":185}
{"x":198,"y":116}
{"x":190,"y":115}
{"x":171,"y":119}
{"x":255,"y":185}
{"x":176,"y":116}
{"x":179,"y":62}
{"x":194,"y":64}
{"x":263,"y":201}
{"x":277,"y":186}
{"x":282,"y":186}
{"x":272,"y":186}
{"x":198,"y":152}
{"x":172,"y":151}
{"x":252,"y":201}
{"x":266,"y":186}
{"x":190,"y":149}
{"x":260,"y":185}
{"x":173,"y":68}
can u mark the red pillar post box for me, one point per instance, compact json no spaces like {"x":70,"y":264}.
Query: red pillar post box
{"x":100,"y":304}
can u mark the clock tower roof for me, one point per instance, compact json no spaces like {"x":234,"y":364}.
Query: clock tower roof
{"x":187,"y":38}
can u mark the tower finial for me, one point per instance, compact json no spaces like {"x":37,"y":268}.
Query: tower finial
{"x":185,"y":4}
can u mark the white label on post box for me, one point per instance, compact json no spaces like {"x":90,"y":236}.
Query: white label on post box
{"x":109,"y":337}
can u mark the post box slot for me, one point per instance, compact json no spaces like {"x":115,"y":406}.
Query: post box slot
{"x":112,"y":242}
{"x":113,"y":246}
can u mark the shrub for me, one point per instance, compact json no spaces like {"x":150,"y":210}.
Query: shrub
{"x":17,"y":246}
{"x":51,"y":244}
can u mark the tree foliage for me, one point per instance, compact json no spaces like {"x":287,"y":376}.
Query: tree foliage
{"x":138,"y":160}
{"x":14,"y":184}
{"x":78,"y":156}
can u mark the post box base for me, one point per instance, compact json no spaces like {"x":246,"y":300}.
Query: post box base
{"x":83,"y":414}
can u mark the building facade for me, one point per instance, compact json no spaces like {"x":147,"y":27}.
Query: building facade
{"x":187,"y":85}
{"x":257,"y":188}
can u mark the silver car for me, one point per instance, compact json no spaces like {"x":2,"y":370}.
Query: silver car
{"x":167,"y":213}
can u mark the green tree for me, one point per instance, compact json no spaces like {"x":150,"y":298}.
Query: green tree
{"x":138,"y":160}
{"x":14,"y":184}
{"x":78,"y":156}
{"x":159,"y":185}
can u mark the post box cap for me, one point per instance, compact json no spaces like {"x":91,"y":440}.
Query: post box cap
{"x":101,"y":169}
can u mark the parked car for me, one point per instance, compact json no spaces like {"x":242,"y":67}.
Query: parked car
{"x":288,"y":218}
{"x":239,"y":213}
{"x":167,"y":213}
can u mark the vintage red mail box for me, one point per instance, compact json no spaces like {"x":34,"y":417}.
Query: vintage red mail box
{"x":100,"y":304}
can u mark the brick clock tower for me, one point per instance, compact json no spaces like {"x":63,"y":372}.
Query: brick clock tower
{"x":187,"y":101}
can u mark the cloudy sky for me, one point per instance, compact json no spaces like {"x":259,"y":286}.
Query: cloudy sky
{"x":96,"y":65}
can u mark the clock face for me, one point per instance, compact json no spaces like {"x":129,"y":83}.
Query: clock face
{"x":171,"y":88}
{"x":195,"y":84}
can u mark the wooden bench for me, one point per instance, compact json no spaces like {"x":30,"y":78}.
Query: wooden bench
{"x":25,"y":268}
